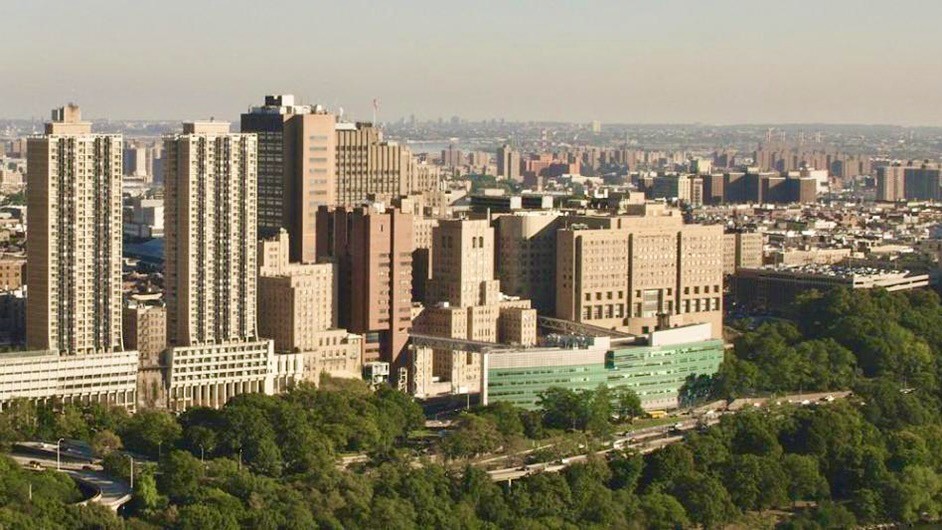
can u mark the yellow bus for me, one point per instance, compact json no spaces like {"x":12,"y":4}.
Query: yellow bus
{"x":657,"y":414}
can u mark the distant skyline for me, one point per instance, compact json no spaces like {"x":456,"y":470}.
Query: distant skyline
{"x":669,"y":61}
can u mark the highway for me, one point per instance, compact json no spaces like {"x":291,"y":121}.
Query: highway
{"x":651,"y":439}
{"x":112,"y":492}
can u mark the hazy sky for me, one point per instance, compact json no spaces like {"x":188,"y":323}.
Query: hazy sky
{"x":714,"y":61}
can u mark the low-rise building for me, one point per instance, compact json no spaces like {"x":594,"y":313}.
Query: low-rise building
{"x":12,"y":272}
{"x":773,"y":287}
{"x":145,"y":330}
{"x":43,"y":376}
{"x":654,"y":366}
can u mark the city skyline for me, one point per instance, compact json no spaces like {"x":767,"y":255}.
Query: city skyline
{"x":669,"y":62}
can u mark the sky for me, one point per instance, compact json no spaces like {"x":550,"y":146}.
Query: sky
{"x":618,"y":61}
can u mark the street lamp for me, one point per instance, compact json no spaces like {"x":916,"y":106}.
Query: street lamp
{"x":58,"y":458}
{"x":202,"y":452}
{"x":240,"y":459}
{"x":131,"y":458}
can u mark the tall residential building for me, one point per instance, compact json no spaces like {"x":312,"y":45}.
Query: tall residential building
{"x":922,"y":182}
{"x":508,"y":163}
{"x":211,"y":269}
{"x":452,"y":157}
{"x":297,"y":173}
{"x":73,"y":317}
{"x":373,"y":248}
{"x":640,"y":272}
{"x":369,"y":169}
{"x":74,"y":249}
{"x":890,"y":181}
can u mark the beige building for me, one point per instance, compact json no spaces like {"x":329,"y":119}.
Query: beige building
{"x":145,"y":330}
{"x":298,"y":311}
{"x":211,"y":269}
{"x":742,"y":250}
{"x":73,"y":311}
{"x":508,"y":163}
{"x":369,"y":168}
{"x":295,"y":300}
{"x":640,"y":272}
{"x":296,"y":168}
{"x":526,"y":246}
{"x":12,"y":269}
{"x":210,"y":222}
{"x":891,"y":182}
{"x":464,"y":302}
{"x":74,"y":249}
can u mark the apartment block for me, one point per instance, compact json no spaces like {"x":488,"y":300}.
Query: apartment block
{"x":73,"y":311}
{"x":890,"y":183}
{"x":12,"y":271}
{"x":508,"y":163}
{"x":742,"y":250}
{"x":211,"y":270}
{"x":74,"y":249}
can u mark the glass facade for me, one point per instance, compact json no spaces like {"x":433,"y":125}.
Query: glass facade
{"x":655,"y":373}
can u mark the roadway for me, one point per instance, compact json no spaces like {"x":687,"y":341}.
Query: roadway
{"x":651,"y":439}
{"x":111,"y":492}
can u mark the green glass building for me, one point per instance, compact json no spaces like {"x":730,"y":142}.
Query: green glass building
{"x":655,"y":366}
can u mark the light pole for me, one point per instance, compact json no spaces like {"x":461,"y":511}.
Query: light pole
{"x":58,"y":458}
{"x":240,"y":459}
{"x":131,"y":458}
{"x":202,"y":452}
{"x":158,"y":449}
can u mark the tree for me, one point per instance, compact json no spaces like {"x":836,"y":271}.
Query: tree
{"x":627,"y":403}
{"x":664,"y":466}
{"x":805,"y":482}
{"x":706,"y":500}
{"x":474,"y":435}
{"x":149,"y":431}
{"x":756,"y":482}
{"x":181,"y":476}
{"x":626,"y":470}
{"x":146,"y":496}
{"x":663,"y":512}
{"x":104,"y":442}
{"x":599,"y":412}
{"x":506,"y":417}
{"x":200,"y":517}
{"x":564,"y":408}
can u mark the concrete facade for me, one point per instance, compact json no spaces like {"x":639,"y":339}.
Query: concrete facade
{"x":74,"y":248}
{"x":640,"y":272}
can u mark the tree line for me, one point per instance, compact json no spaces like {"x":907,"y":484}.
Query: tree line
{"x":271,"y":462}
